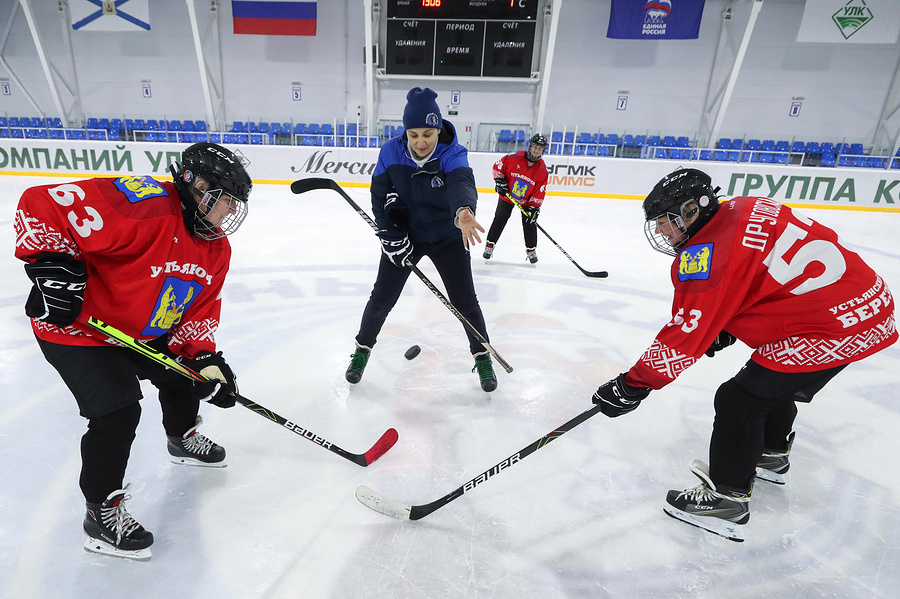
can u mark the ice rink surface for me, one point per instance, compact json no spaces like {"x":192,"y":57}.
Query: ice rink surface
{"x":581,"y":517}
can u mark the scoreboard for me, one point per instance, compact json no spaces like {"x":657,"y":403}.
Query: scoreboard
{"x":466,"y":38}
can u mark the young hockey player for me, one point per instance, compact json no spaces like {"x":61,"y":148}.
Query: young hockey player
{"x":149,"y":258}
{"x":423,"y":199}
{"x":754,"y":270}
{"x":522,"y":175}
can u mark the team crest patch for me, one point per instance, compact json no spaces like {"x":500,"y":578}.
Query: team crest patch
{"x":138,"y":188}
{"x":176,"y":297}
{"x":694,"y":262}
{"x":519,"y":189}
{"x":437,"y":182}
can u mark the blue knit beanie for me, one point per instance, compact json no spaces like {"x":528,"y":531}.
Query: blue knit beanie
{"x":421,"y":109}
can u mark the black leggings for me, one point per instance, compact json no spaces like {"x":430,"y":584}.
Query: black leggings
{"x":105,"y":383}
{"x":454,"y":265}
{"x":501,"y":215}
{"x":755,"y":410}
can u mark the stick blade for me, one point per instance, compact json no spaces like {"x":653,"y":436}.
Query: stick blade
{"x":381,"y":504}
{"x":600,"y":274}
{"x":381,"y":446}
{"x":303,"y":185}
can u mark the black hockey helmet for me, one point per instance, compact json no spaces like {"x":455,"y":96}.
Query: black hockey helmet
{"x":677,"y":207}
{"x":206,"y":173}
{"x":536,"y":140}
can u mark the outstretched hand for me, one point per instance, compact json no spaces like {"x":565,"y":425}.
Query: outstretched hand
{"x":469,"y":227}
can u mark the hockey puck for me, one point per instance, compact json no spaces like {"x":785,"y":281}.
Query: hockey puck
{"x":412,"y":352}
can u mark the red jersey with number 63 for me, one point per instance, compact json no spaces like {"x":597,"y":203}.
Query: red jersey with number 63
{"x":526,"y":184}
{"x":147,"y":276}
{"x":778,"y":281}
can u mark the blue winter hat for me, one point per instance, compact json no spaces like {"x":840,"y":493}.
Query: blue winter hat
{"x":421,"y":109}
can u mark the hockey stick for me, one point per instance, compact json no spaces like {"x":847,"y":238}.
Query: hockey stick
{"x":379,"y":503}
{"x":599,"y":274}
{"x":381,"y":446}
{"x":304,"y":185}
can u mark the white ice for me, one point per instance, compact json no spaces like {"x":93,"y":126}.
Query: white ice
{"x":581,"y":517}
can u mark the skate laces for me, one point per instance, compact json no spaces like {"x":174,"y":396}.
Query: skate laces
{"x":484,"y":367}
{"x":197,"y":444}
{"x":358,"y":361}
{"x":116,"y":518}
{"x":699,"y":494}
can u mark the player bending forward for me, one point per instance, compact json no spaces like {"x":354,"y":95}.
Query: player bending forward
{"x":755,"y":270}
{"x":149,"y":258}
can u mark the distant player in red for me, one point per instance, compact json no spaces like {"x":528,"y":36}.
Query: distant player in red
{"x":754,"y":270}
{"x":149,"y":258}
{"x":522,"y":175}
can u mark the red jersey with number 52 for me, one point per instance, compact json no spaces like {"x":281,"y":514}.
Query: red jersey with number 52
{"x":778,"y":281}
{"x":526,"y":184}
{"x":147,"y":276}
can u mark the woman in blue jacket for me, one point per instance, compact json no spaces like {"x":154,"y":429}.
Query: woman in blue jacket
{"x":423,"y":199}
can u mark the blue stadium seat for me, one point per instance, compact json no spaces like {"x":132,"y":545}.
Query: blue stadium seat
{"x":724,"y":143}
{"x":827,"y":160}
{"x":505,"y":136}
{"x":798,"y":147}
{"x":768,"y":145}
{"x":782,"y":146}
{"x":683,"y":142}
{"x":753,"y":144}
{"x":313,"y":129}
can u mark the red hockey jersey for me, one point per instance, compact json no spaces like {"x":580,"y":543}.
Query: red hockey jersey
{"x":527,"y":185}
{"x":147,"y":276}
{"x":778,"y":281}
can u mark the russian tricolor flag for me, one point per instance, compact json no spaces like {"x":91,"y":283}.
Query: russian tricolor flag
{"x":274,"y":17}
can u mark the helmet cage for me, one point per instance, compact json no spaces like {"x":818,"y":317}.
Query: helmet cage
{"x":667,"y":232}
{"x":220,"y":213}
{"x":537,"y":140}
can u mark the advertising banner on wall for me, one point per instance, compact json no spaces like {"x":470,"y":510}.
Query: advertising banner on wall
{"x":592,"y":177}
{"x":850,"y":21}
{"x":655,"y":19}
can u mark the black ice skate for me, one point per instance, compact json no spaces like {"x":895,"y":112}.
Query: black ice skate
{"x":723,"y":512}
{"x":773,"y":465}
{"x":485,"y":371}
{"x":358,"y":361}
{"x":193,"y":449}
{"x":488,"y":250}
{"x":112,"y":531}
{"x":531,"y":254}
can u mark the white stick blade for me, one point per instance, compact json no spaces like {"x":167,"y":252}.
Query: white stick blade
{"x":381,"y":504}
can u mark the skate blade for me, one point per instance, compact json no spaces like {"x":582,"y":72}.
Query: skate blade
{"x":770,"y":476}
{"x":723,"y":528}
{"x":92,"y":545}
{"x":196,"y":462}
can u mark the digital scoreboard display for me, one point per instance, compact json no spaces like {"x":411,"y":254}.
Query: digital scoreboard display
{"x":466,"y":38}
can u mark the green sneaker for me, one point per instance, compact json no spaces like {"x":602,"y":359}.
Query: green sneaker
{"x":485,"y":371}
{"x":358,"y":361}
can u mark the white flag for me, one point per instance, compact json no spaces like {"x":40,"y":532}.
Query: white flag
{"x":110,"y":15}
{"x":850,"y":21}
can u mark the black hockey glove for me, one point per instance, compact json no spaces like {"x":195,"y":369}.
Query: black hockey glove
{"x":222,"y":385}
{"x":532,"y":215}
{"x":722,"y":340}
{"x":617,"y":397}
{"x":396,"y":211}
{"x":396,"y":246}
{"x":501,"y":186}
{"x":58,"y":292}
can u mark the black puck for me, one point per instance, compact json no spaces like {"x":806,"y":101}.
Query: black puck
{"x":412,"y":352}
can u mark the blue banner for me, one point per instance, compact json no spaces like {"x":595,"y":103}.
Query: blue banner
{"x":655,"y":19}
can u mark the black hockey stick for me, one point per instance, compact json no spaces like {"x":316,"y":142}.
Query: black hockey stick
{"x":379,"y":503}
{"x":381,"y":446}
{"x":599,"y":274}
{"x":304,"y":185}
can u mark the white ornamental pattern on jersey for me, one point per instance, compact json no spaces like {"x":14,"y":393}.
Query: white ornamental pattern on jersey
{"x":803,"y":351}
{"x":31,"y":234}
{"x":666,"y":361}
{"x":203,"y":330}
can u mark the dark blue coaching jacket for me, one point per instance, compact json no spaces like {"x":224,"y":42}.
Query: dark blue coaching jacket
{"x":432,"y":193}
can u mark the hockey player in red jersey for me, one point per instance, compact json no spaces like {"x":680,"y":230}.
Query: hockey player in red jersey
{"x":753,"y":270}
{"x":522,"y":175}
{"x":150,"y":258}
